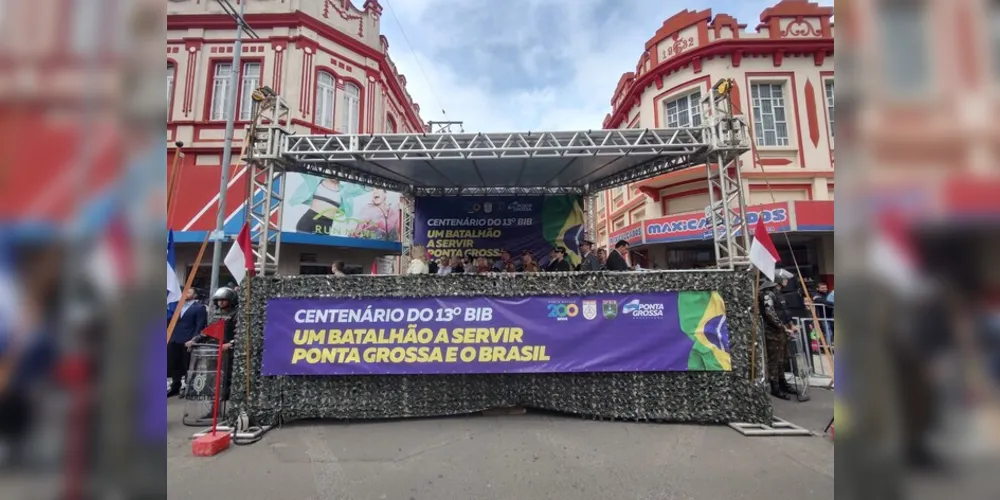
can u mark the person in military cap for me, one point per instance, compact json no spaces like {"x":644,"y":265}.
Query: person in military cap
{"x":589,"y":261}
{"x":776,"y":332}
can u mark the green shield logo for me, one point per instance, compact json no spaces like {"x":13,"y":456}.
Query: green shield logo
{"x":610,"y":308}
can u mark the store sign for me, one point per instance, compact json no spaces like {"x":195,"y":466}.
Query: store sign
{"x":696,"y":226}
{"x":814,"y":215}
{"x":631,"y":233}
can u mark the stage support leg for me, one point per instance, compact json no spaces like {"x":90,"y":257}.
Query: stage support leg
{"x":267,"y":176}
{"x":590,"y":217}
{"x":406,"y":239}
{"x":726,"y":212}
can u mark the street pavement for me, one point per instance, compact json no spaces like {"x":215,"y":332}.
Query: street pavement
{"x":533,"y":456}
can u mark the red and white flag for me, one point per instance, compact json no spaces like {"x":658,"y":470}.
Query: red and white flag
{"x":893,"y":254}
{"x":763,"y":255}
{"x":239,"y":260}
{"x":110,"y":262}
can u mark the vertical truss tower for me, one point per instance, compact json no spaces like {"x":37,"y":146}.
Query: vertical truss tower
{"x":726,"y":212}
{"x":265,"y":136}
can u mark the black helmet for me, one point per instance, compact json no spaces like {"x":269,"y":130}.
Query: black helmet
{"x":225,"y":293}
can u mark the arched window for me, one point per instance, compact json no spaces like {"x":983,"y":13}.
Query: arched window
{"x":350,"y":109}
{"x":324,"y":99}
{"x":390,"y":125}
{"x":171,"y":73}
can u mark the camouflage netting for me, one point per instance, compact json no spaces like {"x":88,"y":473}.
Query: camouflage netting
{"x":706,"y":397}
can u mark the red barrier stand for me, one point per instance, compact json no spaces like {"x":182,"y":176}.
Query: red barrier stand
{"x":214,"y":443}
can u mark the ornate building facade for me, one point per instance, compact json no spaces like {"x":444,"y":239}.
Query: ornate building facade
{"x":329,"y":62}
{"x":784,"y":86}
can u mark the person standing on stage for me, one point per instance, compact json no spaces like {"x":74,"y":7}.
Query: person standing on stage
{"x":418,"y":261}
{"x":193,"y":319}
{"x":589,"y":261}
{"x":503,"y":264}
{"x":528,"y":263}
{"x":558,"y":262}
{"x":338,"y":269}
{"x":617,"y":260}
{"x":776,"y":332}
{"x":482,"y":265}
{"x":602,"y":257}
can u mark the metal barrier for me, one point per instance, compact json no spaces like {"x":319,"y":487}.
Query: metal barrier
{"x":199,"y":394}
{"x":808,"y":338}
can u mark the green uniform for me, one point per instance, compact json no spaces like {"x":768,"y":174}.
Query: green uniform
{"x":775,"y":336}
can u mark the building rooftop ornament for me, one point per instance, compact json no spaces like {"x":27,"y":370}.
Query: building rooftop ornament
{"x":690,"y":37}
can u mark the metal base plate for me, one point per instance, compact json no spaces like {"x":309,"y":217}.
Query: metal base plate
{"x":778,"y":428}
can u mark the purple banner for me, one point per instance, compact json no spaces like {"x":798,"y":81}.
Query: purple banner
{"x":670,"y":331}
{"x":482,"y":226}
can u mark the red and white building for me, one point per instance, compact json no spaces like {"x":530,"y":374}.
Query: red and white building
{"x":784,"y":74}
{"x":326,"y":59}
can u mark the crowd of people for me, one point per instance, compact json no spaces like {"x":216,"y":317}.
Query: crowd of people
{"x":618,"y":259}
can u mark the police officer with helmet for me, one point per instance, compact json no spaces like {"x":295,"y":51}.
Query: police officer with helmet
{"x":225,"y":303}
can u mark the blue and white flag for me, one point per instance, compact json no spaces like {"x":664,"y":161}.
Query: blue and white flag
{"x":173,"y":286}
{"x":10,"y":296}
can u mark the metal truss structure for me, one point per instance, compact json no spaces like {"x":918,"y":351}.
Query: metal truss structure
{"x":264,"y":138}
{"x":499,"y":191}
{"x":726,"y":211}
{"x":503,"y":164}
{"x":408,"y":210}
{"x":426,"y":164}
{"x":590,"y":217}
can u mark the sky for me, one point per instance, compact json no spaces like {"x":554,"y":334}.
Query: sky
{"x":528,"y":65}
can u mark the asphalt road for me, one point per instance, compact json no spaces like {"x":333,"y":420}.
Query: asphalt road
{"x":532,"y":456}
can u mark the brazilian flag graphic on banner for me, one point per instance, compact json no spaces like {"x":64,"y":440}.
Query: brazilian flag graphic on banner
{"x":702,"y":317}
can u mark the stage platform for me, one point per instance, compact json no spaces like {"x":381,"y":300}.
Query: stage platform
{"x":675,"y":396}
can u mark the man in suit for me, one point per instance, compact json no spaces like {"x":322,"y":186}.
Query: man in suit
{"x":616,"y":261}
{"x":589,"y":260}
{"x":194,"y":318}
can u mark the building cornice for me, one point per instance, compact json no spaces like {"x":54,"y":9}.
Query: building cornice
{"x":631,"y":91}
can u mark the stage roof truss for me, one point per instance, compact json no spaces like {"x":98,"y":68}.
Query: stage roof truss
{"x":497,"y":163}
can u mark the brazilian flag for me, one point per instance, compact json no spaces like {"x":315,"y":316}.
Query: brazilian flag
{"x":562,"y":224}
{"x":702,"y":317}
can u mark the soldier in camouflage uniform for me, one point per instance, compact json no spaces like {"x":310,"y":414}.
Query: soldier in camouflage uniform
{"x":775,"y":339}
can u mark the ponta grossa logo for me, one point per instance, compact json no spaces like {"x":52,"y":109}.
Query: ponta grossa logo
{"x":637,"y":309}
